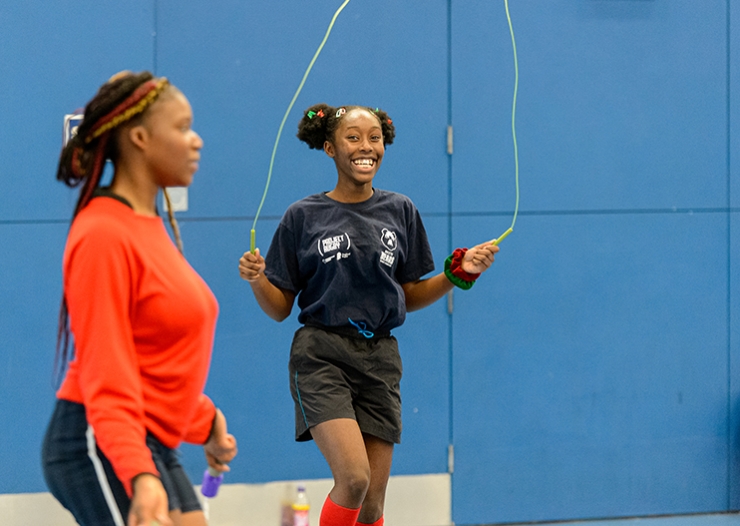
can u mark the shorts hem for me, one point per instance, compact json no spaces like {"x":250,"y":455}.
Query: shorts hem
{"x":304,"y":434}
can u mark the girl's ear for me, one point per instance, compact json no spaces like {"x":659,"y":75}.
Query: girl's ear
{"x":329,"y":149}
{"x":138,"y":136}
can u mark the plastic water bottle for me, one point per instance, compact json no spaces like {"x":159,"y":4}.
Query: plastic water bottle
{"x":301,"y":507}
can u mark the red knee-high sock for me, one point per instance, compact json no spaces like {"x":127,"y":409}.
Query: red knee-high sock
{"x":333,"y":514}
{"x":378,"y":522}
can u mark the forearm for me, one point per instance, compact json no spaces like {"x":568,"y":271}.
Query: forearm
{"x":462,"y":268}
{"x":277,"y":303}
{"x":422,"y":293}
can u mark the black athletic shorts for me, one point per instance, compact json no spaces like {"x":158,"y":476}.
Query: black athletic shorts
{"x":342,"y":374}
{"x":82,"y":479}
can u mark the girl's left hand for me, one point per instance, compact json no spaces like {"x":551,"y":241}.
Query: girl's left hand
{"x":221,"y":446}
{"x":479,"y":258}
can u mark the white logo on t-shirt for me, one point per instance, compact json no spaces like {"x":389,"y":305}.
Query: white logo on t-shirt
{"x":389,"y":239}
{"x":334,"y":247}
{"x":390,"y":242}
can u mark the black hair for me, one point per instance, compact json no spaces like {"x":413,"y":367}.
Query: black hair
{"x":320,"y":122}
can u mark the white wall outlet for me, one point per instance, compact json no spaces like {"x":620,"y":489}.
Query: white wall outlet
{"x":178,"y":197}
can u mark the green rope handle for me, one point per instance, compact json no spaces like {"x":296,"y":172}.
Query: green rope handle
{"x":513,"y":128}
{"x":285,"y":118}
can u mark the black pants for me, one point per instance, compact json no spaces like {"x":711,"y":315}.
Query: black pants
{"x":82,"y":479}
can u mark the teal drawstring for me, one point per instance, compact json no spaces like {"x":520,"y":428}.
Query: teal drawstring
{"x":362,"y":328}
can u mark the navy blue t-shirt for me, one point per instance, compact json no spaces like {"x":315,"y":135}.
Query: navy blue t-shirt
{"x":348,"y":260}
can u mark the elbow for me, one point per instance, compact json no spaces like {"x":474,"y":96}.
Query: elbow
{"x":280,"y":314}
{"x":411,"y":307}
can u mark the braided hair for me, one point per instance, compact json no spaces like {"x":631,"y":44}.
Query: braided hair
{"x":124,"y":99}
{"x":320,"y":122}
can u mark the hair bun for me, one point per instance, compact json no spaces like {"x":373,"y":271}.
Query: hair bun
{"x":312,"y":128}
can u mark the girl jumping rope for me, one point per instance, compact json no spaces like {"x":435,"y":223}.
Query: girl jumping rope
{"x":355,"y":258}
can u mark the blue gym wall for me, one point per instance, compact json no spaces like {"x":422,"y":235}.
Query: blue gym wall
{"x":594,"y":371}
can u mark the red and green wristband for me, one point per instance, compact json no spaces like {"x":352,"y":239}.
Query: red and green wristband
{"x":455,"y":272}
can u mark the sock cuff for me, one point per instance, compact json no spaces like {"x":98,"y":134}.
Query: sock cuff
{"x":332,"y":514}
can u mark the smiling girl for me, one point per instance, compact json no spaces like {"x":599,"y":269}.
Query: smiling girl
{"x":354,"y":257}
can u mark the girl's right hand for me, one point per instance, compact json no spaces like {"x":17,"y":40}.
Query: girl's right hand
{"x":149,"y":503}
{"x":220,"y":449}
{"x":251,"y":266}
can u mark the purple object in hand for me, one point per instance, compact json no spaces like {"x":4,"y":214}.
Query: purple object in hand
{"x":211,"y":481}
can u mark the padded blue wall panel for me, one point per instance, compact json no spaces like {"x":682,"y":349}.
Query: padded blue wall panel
{"x":240,"y":66}
{"x":601,"y":388}
{"x":55,"y":56}
{"x":734,"y":104}
{"x":734,"y":362}
{"x":30,"y":294}
{"x":622,"y":104}
{"x":734,"y":274}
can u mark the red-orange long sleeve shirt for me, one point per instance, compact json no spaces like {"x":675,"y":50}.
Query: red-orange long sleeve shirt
{"x":143,"y":323}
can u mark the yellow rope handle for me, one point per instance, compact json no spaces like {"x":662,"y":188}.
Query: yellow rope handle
{"x":502,"y":237}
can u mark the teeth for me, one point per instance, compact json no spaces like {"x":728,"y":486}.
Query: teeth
{"x":363,"y":162}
